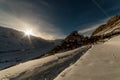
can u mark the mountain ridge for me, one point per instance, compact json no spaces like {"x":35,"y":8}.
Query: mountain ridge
{"x":109,"y":24}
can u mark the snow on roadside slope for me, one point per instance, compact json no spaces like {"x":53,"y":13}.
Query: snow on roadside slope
{"x":34,"y":67}
{"x":101,"y":62}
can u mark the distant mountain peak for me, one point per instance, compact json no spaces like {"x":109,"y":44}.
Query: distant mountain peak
{"x":72,"y":41}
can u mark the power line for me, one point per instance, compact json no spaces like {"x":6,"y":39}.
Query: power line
{"x":102,"y":10}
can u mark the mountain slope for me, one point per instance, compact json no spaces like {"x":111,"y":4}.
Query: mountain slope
{"x":111,"y":25}
{"x":101,"y":62}
{"x":72,"y":41}
{"x":15,"y":47}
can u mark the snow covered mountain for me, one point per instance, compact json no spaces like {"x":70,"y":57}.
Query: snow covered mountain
{"x":99,"y":62}
{"x":16,"y":48}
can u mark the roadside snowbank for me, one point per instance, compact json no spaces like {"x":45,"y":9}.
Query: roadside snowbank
{"x":101,"y":62}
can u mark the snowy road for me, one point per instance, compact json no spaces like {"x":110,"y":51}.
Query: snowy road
{"x":43,"y":69}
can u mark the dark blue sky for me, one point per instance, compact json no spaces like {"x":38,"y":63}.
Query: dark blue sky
{"x":58,"y":18}
{"x":79,"y":14}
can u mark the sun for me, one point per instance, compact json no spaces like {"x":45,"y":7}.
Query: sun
{"x":28,"y":32}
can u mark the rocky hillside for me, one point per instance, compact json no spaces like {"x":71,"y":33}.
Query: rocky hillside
{"x":74,"y":40}
{"x":112,"y":24}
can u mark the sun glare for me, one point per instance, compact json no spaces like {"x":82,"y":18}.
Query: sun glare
{"x":28,"y":32}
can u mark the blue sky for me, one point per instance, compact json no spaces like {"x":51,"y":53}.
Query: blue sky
{"x":52,"y":19}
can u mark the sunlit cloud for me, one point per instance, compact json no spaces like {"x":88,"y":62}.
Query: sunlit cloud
{"x":88,"y":31}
